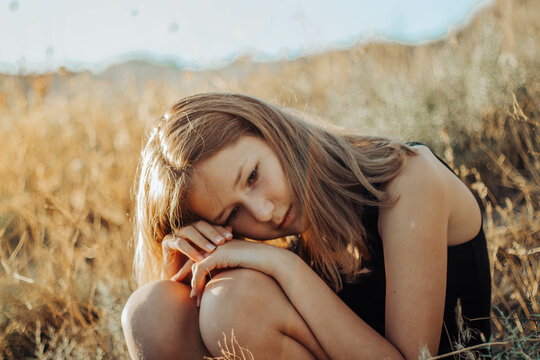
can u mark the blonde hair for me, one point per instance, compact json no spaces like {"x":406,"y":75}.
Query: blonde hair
{"x":332,"y":176}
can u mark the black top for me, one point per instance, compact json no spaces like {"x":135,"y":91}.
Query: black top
{"x":468,"y":279}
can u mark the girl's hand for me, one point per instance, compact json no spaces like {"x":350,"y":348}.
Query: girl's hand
{"x":233,"y":254}
{"x":183,"y":248}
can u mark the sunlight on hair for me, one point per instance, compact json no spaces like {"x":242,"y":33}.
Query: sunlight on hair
{"x":353,"y":250}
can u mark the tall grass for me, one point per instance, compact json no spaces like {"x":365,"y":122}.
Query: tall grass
{"x":70,"y":143}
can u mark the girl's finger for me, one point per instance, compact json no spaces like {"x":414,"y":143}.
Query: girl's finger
{"x":198,"y":277}
{"x":184,"y":246}
{"x":215,"y":233}
{"x":193,"y":235}
{"x":183,"y":272}
{"x":165,"y":245}
{"x":200,"y":287}
{"x":228,"y":232}
{"x":171,"y":258}
{"x":204,"y":269}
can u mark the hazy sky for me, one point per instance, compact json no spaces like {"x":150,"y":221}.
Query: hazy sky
{"x":44,"y":34}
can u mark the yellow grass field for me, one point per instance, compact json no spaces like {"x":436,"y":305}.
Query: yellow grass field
{"x":69,"y":145}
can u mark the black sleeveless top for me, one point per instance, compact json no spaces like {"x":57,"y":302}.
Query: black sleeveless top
{"x":468,"y":281}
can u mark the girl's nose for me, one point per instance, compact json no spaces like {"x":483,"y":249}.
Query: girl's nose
{"x":262,"y":209}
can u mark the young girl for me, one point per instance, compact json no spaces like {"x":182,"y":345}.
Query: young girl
{"x":388,"y":241}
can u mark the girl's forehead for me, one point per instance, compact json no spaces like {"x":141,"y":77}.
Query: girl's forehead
{"x":231,"y":157}
{"x":206,"y":193}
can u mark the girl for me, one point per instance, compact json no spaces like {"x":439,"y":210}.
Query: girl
{"x":388,"y":242}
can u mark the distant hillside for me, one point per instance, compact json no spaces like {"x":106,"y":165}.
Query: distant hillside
{"x":376,"y":87}
{"x":516,"y":23}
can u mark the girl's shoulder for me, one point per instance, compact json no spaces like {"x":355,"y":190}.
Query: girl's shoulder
{"x":420,"y":187}
{"x":421,"y":172}
{"x":427,"y":186}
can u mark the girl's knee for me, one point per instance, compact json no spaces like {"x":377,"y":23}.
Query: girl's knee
{"x":157,"y":315}
{"x":156,"y":300}
{"x":237,"y":288}
{"x":235,"y":300}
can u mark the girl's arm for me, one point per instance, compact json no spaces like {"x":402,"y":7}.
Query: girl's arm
{"x":341,"y":333}
{"x":414,"y":234}
{"x":414,"y":246}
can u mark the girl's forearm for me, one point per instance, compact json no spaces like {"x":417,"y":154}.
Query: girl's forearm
{"x":341,"y":333}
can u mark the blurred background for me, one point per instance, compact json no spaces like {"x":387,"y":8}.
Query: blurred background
{"x":203,"y":34}
{"x":81,"y":82}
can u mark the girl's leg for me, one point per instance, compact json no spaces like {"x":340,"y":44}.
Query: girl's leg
{"x":264,"y":321}
{"x":160,"y":321}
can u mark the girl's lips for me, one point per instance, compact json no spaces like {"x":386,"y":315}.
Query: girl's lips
{"x":286,"y":219}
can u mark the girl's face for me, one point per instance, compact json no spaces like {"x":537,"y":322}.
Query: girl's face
{"x":244,"y":186}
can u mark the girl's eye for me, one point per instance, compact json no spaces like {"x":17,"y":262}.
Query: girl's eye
{"x":253,"y":176}
{"x":232,"y":215}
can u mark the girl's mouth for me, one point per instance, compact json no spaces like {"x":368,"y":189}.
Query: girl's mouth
{"x":286,"y":219}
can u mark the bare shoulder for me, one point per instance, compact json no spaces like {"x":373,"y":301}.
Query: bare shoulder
{"x":426,"y":184}
{"x":421,"y":174}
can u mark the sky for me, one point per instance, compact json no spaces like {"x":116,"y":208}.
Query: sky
{"x":41,"y":35}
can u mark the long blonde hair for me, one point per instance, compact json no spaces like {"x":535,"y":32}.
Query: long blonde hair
{"x":332,"y":176}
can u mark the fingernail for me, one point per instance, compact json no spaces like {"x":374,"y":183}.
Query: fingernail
{"x":192,"y":293}
{"x":198,"y":300}
{"x":199,"y":257}
{"x":210,"y":247}
{"x":219,"y":239}
{"x":228,"y":235}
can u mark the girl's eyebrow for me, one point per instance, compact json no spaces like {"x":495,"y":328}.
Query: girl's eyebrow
{"x":236,"y":181}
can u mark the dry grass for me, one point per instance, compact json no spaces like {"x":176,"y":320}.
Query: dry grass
{"x":70,"y":144}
